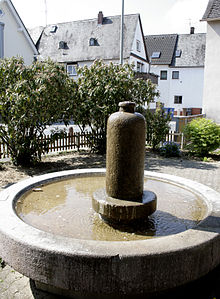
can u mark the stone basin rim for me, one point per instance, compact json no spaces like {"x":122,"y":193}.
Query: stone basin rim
{"x":18,"y":227}
{"x":43,"y":256}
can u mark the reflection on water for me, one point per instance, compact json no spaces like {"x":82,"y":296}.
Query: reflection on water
{"x":65,"y":208}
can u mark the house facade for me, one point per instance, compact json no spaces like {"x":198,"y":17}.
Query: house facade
{"x":14,"y":37}
{"x":211,"y":98}
{"x":178,"y":60}
{"x":79,"y":43}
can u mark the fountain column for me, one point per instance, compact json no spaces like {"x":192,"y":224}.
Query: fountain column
{"x":126,"y":137}
{"x":124,"y":199}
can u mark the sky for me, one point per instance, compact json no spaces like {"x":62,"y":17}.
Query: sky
{"x":157,"y":16}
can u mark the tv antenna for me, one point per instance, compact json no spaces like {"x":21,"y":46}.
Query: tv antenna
{"x":45,"y":6}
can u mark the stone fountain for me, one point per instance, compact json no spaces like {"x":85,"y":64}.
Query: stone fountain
{"x":49,"y":235}
{"x":123,"y":199}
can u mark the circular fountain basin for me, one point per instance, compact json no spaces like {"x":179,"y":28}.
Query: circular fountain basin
{"x":123,"y":263}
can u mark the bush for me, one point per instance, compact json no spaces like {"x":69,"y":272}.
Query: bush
{"x":32,"y":97}
{"x":101,"y":87}
{"x":157,"y":126}
{"x":202,"y":136}
{"x":170,"y":149}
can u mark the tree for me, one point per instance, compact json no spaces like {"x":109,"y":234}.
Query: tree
{"x":101,"y":87}
{"x":157,"y":126}
{"x":32,"y":97}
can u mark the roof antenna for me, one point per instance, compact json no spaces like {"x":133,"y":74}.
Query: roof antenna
{"x":122,"y":34}
{"x":45,"y":4}
{"x":190,"y":23}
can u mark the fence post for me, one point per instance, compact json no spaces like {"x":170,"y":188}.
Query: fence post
{"x":78,"y":141}
{"x":182,"y":141}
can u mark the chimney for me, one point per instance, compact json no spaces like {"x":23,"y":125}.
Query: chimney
{"x":100,"y":18}
{"x":192,"y":30}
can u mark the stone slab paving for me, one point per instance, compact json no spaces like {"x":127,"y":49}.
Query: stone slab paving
{"x":14,"y":285}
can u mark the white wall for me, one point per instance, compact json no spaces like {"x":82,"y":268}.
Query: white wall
{"x":211,"y":99}
{"x":141,"y":53}
{"x":15,"y":42}
{"x":189,"y":86}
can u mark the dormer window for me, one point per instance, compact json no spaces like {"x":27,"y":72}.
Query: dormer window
{"x":155,"y":55}
{"x":178,"y":53}
{"x":93,"y":41}
{"x":138,"y":45}
{"x":53,"y":29}
{"x":63,"y":45}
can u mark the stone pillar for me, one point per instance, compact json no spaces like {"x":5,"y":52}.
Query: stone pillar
{"x":125,"y":153}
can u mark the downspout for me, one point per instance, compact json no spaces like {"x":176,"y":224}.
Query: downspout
{"x":2,"y":40}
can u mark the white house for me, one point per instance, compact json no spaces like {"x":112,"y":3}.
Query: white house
{"x":178,"y":60}
{"x":211,"y":98}
{"x":14,"y":37}
{"x":81,"y":42}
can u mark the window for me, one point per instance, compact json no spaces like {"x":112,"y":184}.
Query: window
{"x":1,"y":13}
{"x":175,"y":74}
{"x":138,"y":45}
{"x":93,"y":42}
{"x":163,"y":75}
{"x":178,"y":53}
{"x":178,"y":99}
{"x":71,"y":69}
{"x":155,"y":55}
{"x":53,"y":29}
{"x":63,"y":45}
{"x":139,"y":67}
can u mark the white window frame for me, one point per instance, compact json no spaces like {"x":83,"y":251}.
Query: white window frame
{"x":175,"y":75}
{"x":138,"y":45}
{"x":71,"y":69}
{"x":139,"y":67}
{"x":178,"y":98}
{"x":165,"y":72}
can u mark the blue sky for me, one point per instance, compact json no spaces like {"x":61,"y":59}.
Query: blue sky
{"x":158,"y":16}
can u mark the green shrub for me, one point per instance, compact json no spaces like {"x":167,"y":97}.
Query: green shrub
{"x":157,"y":126}
{"x":31,"y":98}
{"x":202,"y":136}
{"x":170,"y":149}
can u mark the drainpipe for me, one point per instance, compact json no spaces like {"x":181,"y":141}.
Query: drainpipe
{"x":2,"y":39}
{"x":122,"y":33}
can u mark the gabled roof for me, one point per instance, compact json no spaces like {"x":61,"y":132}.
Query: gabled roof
{"x":165,"y":44}
{"x":212,"y":12}
{"x":21,"y":24}
{"x":191,"y":49}
{"x":77,"y":35}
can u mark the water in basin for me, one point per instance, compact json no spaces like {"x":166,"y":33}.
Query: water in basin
{"x":65,"y":208}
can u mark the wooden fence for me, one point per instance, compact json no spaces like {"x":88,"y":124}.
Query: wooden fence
{"x":77,"y":141}
{"x":176,"y":137}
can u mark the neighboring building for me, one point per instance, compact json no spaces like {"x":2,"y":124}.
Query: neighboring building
{"x":79,"y":43}
{"x":211,"y":98}
{"x":14,"y":37}
{"x":178,"y":60}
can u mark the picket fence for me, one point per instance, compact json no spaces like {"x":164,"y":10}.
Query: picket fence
{"x":78,"y":141}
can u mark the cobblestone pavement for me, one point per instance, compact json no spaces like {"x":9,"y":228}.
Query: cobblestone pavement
{"x":14,"y":285}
